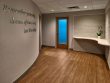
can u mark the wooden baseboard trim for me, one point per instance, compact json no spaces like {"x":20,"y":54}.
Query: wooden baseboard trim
{"x":70,"y":48}
{"x":48,"y":46}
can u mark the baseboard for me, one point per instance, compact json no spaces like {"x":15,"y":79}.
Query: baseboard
{"x":48,"y":46}
{"x":70,"y":48}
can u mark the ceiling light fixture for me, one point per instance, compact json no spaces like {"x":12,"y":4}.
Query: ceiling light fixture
{"x":85,"y":6}
{"x":73,"y":7}
{"x":52,"y":10}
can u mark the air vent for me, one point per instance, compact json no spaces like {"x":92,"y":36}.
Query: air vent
{"x":73,"y":7}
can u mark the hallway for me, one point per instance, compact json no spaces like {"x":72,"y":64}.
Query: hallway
{"x":66,"y":66}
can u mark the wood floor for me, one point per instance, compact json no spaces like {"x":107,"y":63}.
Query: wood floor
{"x":66,"y":66}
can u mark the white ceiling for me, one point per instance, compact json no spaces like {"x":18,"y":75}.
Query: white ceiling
{"x":61,"y":5}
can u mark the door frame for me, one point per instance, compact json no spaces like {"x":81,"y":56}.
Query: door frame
{"x":57,"y":45}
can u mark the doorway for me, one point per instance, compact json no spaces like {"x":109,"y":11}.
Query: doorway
{"x":62,"y":32}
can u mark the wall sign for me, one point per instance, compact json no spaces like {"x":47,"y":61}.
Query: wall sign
{"x":29,"y":30}
{"x":18,"y":11}
{"x":14,"y":21}
{"x":25,"y":22}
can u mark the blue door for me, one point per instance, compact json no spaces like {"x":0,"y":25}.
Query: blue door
{"x":62,"y":32}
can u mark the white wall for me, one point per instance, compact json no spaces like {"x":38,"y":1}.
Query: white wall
{"x":48,"y":30}
{"x":108,"y":32}
{"x":87,"y":26}
{"x":18,"y":50}
{"x":88,"y":19}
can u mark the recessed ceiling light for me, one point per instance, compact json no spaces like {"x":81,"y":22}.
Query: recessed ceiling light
{"x":52,"y":10}
{"x":85,"y":6}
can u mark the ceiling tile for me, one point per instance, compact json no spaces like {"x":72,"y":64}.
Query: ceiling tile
{"x":61,"y":5}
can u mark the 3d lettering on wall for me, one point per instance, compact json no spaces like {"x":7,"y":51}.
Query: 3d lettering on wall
{"x":18,"y":11}
{"x":29,"y":30}
{"x":14,"y":21}
{"x":25,"y":22}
